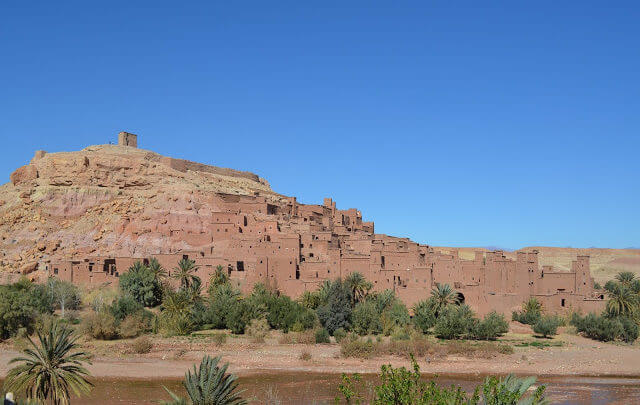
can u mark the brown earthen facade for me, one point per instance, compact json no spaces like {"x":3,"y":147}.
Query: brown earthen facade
{"x":294,"y":247}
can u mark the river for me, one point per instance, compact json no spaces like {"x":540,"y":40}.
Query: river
{"x":316,"y":388}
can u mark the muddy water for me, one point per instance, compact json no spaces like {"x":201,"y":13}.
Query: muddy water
{"x":313,"y":388}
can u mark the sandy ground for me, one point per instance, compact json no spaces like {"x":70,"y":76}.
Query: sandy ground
{"x":170,"y":358}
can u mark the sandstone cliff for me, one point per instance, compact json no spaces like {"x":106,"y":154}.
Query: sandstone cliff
{"x":108,"y":199}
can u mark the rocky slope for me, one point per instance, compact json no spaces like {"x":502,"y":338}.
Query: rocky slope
{"x":107,"y":199}
{"x":118,"y":200}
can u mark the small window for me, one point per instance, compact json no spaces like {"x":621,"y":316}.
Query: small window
{"x":55,"y":271}
{"x":562,"y":302}
{"x":240,"y":266}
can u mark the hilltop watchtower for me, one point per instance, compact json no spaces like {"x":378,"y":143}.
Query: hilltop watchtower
{"x":127,"y":139}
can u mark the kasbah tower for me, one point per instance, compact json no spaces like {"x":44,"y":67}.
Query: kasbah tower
{"x":293,"y":247}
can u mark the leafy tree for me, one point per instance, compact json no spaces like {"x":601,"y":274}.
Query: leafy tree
{"x":443,"y":295}
{"x":366,"y":318}
{"x":242,"y":313}
{"x":221,"y":299}
{"x":359,"y":287}
{"x":209,"y":384}
{"x":185,"y":273}
{"x":598,"y":327}
{"x":64,"y":294}
{"x":310,"y":299}
{"x":546,"y":326}
{"x":531,"y":312}
{"x":51,"y":370}
{"x":336,"y":312}
{"x":395,"y":316}
{"x":124,"y":306}
{"x":142,"y":284}
{"x":492,"y":326}
{"x":424,"y":317}
{"x":20,"y":304}
{"x":455,"y":322}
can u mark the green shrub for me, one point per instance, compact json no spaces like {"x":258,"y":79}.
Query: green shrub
{"x":401,"y":333}
{"x":241,"y":314}
{"x":221,"y":299}
{"x":546,"y":326}
{"x":335,"y":313}
{"x":492,"y":326}
{"x":20,"y":305}
{"x":530,"y":314}
{"x":393,"y":317}
{"x":339,"y":334}
{"x":455,"y":322}
{"x":424,"y":317}
{"x":630,"y":330}
{"x":141,"y":283}
{"x":322,"y":336}
{"x":124,"y":306}
{"x":598,"y":327}
{"x":366,"y":318}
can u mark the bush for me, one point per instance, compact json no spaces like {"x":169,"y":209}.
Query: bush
{"x":339,"y":334}
{"x":20,"y":305}
{"x":401,"y":333}
{"x":142,"y":345}
{"x":455,"y":322}
{"x":257,"y":330}
{"x":100,"y":298}
{"x":133,"y":326}
{"x":492,"y":326}
{"x":221,"y":299}
{"x":322,"y":336}
{"x":630,"y":330}
{"x":141,"y":283}
{"x":394,"y":317}
{"x":598,"y":327}
{"x":336,"y":312}
{"x":124,"y":306}
{"x":424,"y":317}
{"x":530,"y":314}
{"x":546,"y":326}
{"x":357,"y":348}
{"x":100,"y":325}
{"x":241,"y":314}
{"x":366,"y":319}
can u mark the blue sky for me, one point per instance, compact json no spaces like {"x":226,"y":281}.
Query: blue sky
{"x":470,"y":125}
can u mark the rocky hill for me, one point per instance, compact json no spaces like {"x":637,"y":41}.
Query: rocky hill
{"x":123,"y":201}
{"x":107,"y":199}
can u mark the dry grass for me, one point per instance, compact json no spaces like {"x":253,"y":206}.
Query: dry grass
{"x":305,"y":355}
{"x":307,"y":337}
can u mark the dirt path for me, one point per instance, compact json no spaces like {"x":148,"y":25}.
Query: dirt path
{"x":170,"y":359}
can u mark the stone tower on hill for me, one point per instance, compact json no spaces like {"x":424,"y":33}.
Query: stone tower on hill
{"x":127,"y":139}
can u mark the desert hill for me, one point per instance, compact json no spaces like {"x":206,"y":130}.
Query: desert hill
{"x":108,"y":199}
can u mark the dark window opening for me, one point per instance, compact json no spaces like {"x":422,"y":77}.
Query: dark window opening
{"x":245,"y":221}
{"x":382,"y":262}
{"x":460,"y":298}
{"x":310,"y":254}
{"x":91,"y":267}
{"x":55,"y":271}
{"x":562,"y":302}
{"x":145,"y":262}
{"x":297,"y":273}
{"x":316,"y":274}
{"x":240,"y":266}
{"x":185,"y":257}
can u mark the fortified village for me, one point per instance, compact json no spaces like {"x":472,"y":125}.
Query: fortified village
{"x":263,"y":237}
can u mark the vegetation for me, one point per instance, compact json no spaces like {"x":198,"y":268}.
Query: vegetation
{"x":64,"y":295}
{"x":143,"y":283}
{"x":51,"y":370}
{"x":546,"y":326}
{"x":404,"y":387}
{"x":531,"y":312}
{"x":209,"y":384}
{"x":20,"y":305}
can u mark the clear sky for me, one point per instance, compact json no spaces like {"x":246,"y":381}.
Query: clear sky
{"x":499,"y":124}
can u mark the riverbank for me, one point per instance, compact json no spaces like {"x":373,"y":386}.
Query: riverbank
{"x":564,"y":355}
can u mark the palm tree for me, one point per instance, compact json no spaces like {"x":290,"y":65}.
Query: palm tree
{"x":209,"y":385}
{"x":157,"y":269}
{"x":532,"y":305}
{"x":443,"y":295}
{"x":513,"y":390}
{"x":625,"y":278}
{"x":185,"y":273}
{"x":50,"y":371}
{"x":220,"y":277}
{"x":359,"y":287}
{"x":622,"y":301}
{"x":176,"y":312}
